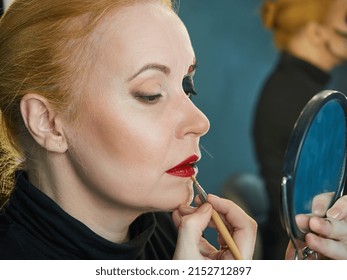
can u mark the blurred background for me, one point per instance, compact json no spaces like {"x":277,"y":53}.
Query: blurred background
{"x":234,"y":56}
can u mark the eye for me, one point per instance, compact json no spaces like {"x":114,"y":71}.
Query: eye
{"x":148,"y":98}
{"x":188,"y":86}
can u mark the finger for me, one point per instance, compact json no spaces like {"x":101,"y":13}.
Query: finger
{"x":181,"y":211}
{"x":190,"y":231}
{"x":206,"y":249}
{"x":197,"y":200}
{"x":302,"y":220}
{"x":186,"y":210}
{"x":339,"y":210}
{"x":176,"y":217}
{"x":222,"y":254}
{"x":329,"y":228}
{"x":243,"y":227}
{"x":321,"y":203}
{"x":328,"y":248}
{"x":216,"y":254}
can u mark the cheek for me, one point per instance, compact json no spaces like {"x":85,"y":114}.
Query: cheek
{"x":123,"y":154}
{"x":120,"y":138}
{"x":340,"y":47}
{"x":337,"y":45}
{"x":336,"y":41}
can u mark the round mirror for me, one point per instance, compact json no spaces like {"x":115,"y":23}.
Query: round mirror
{"x":315,"y":160}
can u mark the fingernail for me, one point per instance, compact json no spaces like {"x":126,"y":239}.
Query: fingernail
{"x":319,"y":210}
{"x":212,"y":195}
{"x":183,"y":206}
{"x":333,"y":213}
{"x":206,"y":207}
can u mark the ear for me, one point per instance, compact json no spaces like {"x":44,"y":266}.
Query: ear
{"x":316,"y":33}
{"x":43,"y":123}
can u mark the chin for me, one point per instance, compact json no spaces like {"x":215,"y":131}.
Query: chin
{"x":184,"y":201}
{"x":187,"y":201}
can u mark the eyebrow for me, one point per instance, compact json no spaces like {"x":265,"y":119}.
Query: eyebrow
{"x":151,"y":66}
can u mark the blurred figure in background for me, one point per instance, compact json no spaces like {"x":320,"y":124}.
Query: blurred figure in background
{"x":311,"y":37}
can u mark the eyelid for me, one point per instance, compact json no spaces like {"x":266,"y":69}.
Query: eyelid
{"x":147,"y":98}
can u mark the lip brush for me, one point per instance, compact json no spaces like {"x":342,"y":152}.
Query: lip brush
{"x":222,"y":229}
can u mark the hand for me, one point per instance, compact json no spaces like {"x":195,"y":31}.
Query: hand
{"x":192,"y":221}
{"x":325,"y":235}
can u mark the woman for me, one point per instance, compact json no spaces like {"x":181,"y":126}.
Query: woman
{"x":95,"y":101}
{"x":103,"y":136}
{"x":311,"y":38}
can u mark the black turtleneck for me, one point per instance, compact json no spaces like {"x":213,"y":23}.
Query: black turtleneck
{"x":32,"y":226}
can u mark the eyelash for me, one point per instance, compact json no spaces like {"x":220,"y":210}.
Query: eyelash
{"x":148,"y":98}
{"x":188,"y":88}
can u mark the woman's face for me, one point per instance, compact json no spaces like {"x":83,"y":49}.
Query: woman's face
{"x":136,"y":122}
{"x":336,"y":22}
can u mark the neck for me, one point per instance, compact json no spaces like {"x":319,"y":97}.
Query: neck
{"x":317,"y":55}
{"x":103,"y":216}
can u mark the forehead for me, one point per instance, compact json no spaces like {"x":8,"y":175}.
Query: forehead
{"x":146,"y":32}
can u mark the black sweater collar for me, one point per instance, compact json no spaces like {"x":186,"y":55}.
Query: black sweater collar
{"x":50,"y":224}
{"x":318,"y":75}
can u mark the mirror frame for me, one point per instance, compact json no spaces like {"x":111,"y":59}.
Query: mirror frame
{"x":292,"y":156}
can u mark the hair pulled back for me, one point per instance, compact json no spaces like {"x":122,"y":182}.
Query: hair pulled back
{"x":286,"y":17}
{"x":47,"y":48}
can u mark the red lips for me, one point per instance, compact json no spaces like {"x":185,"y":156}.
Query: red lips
{"x":185,"y":168}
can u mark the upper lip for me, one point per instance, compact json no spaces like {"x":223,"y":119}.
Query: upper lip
{"x":189,"y":160}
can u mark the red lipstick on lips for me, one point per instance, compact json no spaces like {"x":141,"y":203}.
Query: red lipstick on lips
{"x":185,"y":168}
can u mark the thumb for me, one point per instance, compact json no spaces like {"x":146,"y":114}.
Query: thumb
{"x":190,"y":231}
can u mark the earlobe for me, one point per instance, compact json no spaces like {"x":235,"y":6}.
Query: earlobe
{"x":316,"y":32}
{"x":43,"y":123}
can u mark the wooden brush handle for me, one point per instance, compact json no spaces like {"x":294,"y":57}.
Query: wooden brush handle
{"x":222,"y":229}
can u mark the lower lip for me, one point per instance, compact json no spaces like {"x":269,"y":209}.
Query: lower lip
{"x":182,"y":171}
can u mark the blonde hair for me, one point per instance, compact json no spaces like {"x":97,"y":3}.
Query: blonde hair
{"x":286,"y":17}
{"x":45,"y":48}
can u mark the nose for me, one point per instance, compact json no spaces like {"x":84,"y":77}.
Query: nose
{"x":192,"y":120}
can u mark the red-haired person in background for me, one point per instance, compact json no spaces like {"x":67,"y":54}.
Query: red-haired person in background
{"x":311,"y":36}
